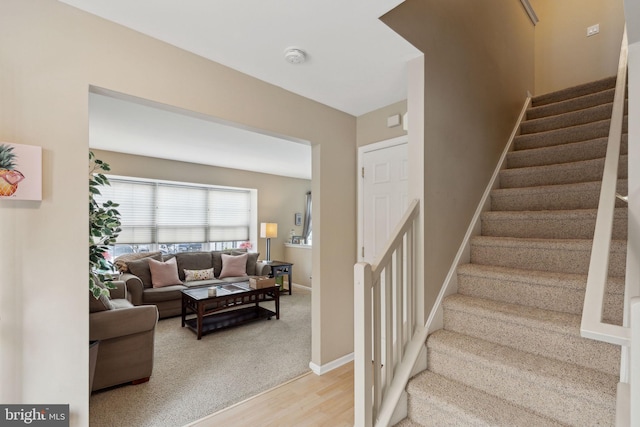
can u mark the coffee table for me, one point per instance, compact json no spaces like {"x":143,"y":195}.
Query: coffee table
{"x":233,"y":305}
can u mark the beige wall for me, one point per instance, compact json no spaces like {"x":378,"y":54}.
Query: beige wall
{"x":565,"y":56}
{"x":279,"y":198}
{"x":300,"y":257}
{"x":478,"y":69}
{"x":51,"y":55}
{"x":372,"y":127}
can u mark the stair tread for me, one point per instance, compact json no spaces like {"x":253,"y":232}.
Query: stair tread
{"x":568,"y":244}
{"x":549,"y":215}
{"x":590,"y":384}
{"x":573,"y":104}
{"x":477,"y":405}
{"x":563,"y":153}
{"x":573,"y":187}
{"x":542,"y":278}
{"x":569,"y":118}
{"x":574,"y":91}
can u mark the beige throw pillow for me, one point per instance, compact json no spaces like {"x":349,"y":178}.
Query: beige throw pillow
{"x":233,"y":266}
{"x":164,"y":273}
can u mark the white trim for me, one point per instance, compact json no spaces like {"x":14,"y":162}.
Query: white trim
{"x":321,"y":370}
{"x":381,"y":145}
{"x":530,"y":11}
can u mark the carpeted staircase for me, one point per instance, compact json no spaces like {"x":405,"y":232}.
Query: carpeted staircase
{"x":510,"y":352}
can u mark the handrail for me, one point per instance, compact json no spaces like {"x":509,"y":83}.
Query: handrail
{"x":592,"y":325}
{"x":394,"y":313}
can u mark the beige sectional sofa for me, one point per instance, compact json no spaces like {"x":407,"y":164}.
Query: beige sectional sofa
{"x":137,"y":274}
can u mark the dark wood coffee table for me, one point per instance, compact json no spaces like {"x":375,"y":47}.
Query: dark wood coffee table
{"x":240,"y":303}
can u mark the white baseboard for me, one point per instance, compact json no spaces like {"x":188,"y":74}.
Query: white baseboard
{"x":321,"y":370}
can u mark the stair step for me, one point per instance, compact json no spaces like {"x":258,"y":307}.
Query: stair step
{"x":571,"y":118}
{"x":569,"y":393}
{"x":547,"y":333}
{"x":573,"y":104}
{"x":566,"y":135}
{"x":574,"y":91}
{"x":556,"y":255}
{"x":437,"y":401}
{"x":558,"y":224}
{"x":564,"y":173}
{"x":565,"y":153}
{"x":584,"y":195}
{"x":562,"y":292}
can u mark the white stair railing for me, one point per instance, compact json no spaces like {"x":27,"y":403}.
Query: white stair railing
{"x":592,"y":325}
{"x":385,"y":324}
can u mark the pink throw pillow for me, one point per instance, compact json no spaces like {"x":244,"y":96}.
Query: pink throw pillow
{"x":234,"y":266}
{"x":164,"y":273}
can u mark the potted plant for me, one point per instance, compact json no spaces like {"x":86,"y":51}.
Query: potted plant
{"x":104,"y":227}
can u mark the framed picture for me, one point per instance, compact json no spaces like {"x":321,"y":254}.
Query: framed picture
{"x":298,"y":218}
{"x":20,"y":172}
{"x":297,"y":240}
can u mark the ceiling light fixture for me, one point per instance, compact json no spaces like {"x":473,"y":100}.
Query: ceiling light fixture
{"x":295,"y":56}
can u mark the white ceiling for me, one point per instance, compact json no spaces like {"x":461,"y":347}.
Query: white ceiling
{"x":355,"y":63}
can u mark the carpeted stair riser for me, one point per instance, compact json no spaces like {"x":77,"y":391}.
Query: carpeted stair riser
{"x":567,"y":135}
{"x":565,"y":173}
{"x":566,"y":153}
{"x":562,"y":292}
{"x":437,"y":401}
{"x":556,"y":255}
{"x":574,"y":92}
{"x":563,"y":391}
{"x":572,"y":118}
{"x":546,"y":333}
{"x":558,"y":224}
{"x":584,"y":195}
{"x":573,"y":104}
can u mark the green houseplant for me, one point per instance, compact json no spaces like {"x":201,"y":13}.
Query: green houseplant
{"x":104,"y":227}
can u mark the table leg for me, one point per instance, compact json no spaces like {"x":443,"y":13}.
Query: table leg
{"x":184,"y":309}
{"x":277,"y":298}
{"x":200,"y":318}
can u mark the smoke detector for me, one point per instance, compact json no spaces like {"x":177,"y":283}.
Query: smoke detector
{"x":295,"y":56}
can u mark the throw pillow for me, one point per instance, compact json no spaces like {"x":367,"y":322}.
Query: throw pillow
{"x":252,"y":258}
{"x":191,"y":275}
{"x":234,"y":266}
{"x":164,"y":273}
{"x":103,"y":303}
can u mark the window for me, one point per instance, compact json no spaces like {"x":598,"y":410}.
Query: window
{"x":176,"y":217}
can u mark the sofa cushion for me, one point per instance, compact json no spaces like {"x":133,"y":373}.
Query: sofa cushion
{"x":102,"y":303}
{"x":233,"y":265}
{"x":217,"y":261}
{"x":140,"y":268}
{"x":191,"y":275}
{"x":167,"y":293}
{"x":164,"y":273}
{"x":193,"y":261}
{"x":252,"y":259}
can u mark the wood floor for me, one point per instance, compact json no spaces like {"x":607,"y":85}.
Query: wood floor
{"x":309,"y":400}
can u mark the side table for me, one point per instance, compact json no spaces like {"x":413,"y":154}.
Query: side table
{"x":279,"y":269}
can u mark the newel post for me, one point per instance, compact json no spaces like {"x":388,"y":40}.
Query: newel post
{"x":363,"y":373}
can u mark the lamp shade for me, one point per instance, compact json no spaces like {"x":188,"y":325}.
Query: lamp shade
{"x":268,"y":230}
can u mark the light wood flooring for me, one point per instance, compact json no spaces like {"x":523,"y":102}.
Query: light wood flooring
{"x":309,"y":400}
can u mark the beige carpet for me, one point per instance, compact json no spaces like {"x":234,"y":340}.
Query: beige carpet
{"x":510,"y":352}
{"x":192,"y":378}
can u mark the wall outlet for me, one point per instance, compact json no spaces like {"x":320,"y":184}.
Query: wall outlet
{"x":593,"y":30}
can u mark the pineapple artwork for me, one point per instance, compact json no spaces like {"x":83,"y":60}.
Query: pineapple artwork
{"x":20,"y":172}
{"x":9,"y":176}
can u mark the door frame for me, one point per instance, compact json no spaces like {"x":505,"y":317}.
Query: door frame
{"x":381,"y":145}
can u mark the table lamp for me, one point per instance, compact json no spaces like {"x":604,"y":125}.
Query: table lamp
{"x":267,"y":231}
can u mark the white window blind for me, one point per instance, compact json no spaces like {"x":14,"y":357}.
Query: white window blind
{"x":158,"y":212}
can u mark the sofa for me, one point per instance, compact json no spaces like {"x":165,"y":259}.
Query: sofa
{"x":158,"y":279}
{"x":126,"y":339}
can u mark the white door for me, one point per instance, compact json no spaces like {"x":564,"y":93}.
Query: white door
{"x":385,"y":181}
